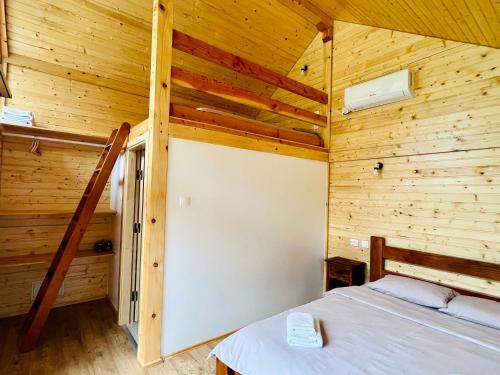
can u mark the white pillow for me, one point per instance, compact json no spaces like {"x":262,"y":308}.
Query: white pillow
{"x":474,"y":309}
{"x":412,"y":290}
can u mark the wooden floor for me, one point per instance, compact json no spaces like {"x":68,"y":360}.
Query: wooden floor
{"x":84,"y":339}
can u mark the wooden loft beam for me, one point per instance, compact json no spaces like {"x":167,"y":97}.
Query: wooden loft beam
{"x":199,"y":82}
{"x":312,"y":13}
{"x":216,"y":129}
{"x":198,"y":48}
{"x":155,"y":187}
{"x":239,"y":123}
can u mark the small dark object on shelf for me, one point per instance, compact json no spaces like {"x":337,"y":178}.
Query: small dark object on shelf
{"x":103,"y":246}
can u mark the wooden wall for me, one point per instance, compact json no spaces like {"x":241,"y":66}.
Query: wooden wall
{"x":26,"y":237}
{"x":439,"y":190}
{"x":53,"y":181}
{"x":86,"y":280}
{"x":80,"y":67}
{"x":37,"y":197}
{"x":315,"y":57}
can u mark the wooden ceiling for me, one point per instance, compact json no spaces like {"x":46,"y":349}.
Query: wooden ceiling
{"x":109,"y":41}
{"x":469,"y":21}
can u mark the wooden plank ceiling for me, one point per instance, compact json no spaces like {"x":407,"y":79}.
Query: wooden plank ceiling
{"x":469,"y":21}
{"x":108,"y":42}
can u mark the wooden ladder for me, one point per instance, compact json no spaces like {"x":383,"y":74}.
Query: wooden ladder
{"x":69,"y":245}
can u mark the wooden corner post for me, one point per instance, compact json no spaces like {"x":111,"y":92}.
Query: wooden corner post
{"x":153,"y":245}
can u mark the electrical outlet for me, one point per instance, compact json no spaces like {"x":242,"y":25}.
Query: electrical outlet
{"x":365,"y":244}
{"x":35,"y":287}
{"x":354,"y":242}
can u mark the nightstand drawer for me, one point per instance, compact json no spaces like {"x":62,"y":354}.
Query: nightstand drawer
{"x":340,"y":273}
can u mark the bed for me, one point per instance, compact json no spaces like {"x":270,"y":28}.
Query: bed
{"x":369,"y":332}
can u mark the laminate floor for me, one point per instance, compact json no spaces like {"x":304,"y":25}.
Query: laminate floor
{"x":84,"y":339}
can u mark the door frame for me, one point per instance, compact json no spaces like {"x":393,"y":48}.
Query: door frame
{"x":129,"y":183}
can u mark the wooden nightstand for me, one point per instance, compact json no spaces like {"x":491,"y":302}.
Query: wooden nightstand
{"x":344,"y":272}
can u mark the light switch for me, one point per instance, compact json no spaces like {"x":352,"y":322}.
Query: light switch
{"x":365,"y":244}
{"x":184,"y":201}
{"x":354,"y":242}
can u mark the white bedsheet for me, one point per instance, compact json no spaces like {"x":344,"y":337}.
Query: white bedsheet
{"x":366,"y":332}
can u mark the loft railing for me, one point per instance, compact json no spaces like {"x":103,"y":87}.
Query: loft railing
{"x":217,"y":120}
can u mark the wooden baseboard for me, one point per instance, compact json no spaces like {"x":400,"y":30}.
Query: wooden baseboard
{"x":218,"y":338}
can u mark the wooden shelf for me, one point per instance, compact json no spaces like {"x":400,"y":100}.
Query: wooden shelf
{"x":7,"y":213}
{"x":48,"y":133}
{"x":32,"y":259}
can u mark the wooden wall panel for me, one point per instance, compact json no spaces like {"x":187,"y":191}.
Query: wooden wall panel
{"x":33,"y":233}
{"x":37,"y":196}
{"x":82,"y":35}
{"x":314,"y":57}
{"x":456,"y":95}
{"x":87,"y":279}
{"x":53,"y":181}
{"x":439,"y":190}
{"x":67,"y":105}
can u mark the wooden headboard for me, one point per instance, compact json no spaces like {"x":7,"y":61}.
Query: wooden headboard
{"x":379,"y":253}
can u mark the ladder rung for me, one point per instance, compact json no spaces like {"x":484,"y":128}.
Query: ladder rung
{"x":108,"y":146}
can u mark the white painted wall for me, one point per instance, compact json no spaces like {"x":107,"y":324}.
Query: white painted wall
{"x":250,"y":245}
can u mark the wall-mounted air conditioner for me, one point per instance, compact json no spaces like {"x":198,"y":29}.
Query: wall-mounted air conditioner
{"x":383,"y":90}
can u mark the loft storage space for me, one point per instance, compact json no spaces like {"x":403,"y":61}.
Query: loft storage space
{"x":226,"y":122}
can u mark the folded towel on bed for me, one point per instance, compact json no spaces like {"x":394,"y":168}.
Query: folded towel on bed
{"x":303,"y":330}
{"x":312,"y":342}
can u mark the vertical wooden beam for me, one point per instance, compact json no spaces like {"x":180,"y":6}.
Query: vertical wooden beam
{"x":153,"y":245}
{"x":376,"y":258}
{"x":4,"y":49}
{"x":327,"y":66}
{"x":325,"y":135}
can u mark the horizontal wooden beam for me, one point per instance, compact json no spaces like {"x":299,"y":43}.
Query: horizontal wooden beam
{"x":198,"y":48}
{"x":242,"y":133}
{"x":243,"y":124}
{"x":201,"y":83}
{"x":234,"y":138}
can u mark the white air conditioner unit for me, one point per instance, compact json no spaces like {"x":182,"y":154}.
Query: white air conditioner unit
{"x":387,"y":89}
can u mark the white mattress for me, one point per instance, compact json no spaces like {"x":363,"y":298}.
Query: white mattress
{"x":366,"y":332}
